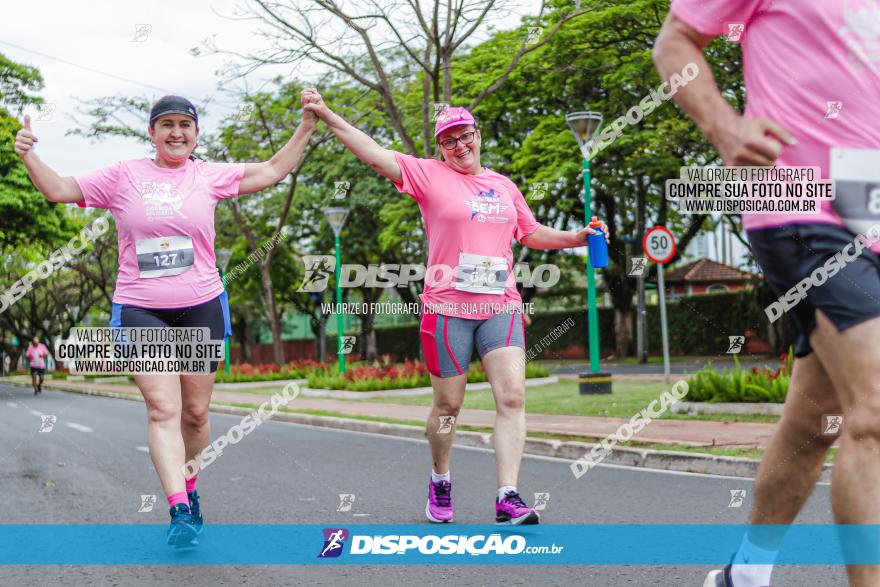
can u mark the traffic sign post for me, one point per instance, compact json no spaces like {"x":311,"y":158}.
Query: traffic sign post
{"x":659,"y":246}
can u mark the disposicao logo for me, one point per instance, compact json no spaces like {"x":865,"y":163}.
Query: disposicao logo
{"x":334,"y":541}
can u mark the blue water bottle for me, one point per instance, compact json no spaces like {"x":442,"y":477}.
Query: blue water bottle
{"x":598,"y":246}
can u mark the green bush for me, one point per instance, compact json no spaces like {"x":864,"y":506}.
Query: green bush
{"x":740,"y":385}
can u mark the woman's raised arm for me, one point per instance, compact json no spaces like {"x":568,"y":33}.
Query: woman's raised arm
{"x":50,"y":184}
{"x":259,"y":176}
{"x":358,"y":142}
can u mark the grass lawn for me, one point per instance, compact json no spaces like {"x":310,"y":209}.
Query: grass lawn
{"x":629,"y":397}
{"x":658,"y":360}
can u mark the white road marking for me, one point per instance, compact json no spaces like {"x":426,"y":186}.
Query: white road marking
{"x":79,"y":427}
{"x":36,"y":413}
{"x":143,"y":448}
{"x":12,"y":404}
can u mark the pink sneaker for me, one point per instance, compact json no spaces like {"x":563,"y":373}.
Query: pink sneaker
{"x":439,"y":508}
{"x":513,"y":510}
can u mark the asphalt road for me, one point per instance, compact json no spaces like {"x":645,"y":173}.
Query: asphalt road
{"x":93,"y":468}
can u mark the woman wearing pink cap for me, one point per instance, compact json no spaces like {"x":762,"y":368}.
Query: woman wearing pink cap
{"x":470,"y":299}
{"x":163,"y":207}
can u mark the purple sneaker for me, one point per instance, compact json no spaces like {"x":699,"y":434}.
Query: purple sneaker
{"x":513,"y":510}
{"x":439,"y":508}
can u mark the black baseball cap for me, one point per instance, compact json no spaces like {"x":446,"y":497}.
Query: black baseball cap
{"x":173,"y":105}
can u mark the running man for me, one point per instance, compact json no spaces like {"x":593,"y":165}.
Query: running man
{"x":471,"y":214}
{"x":172,"y":195}
{"x":36,"y":354}
{"x":812,"y":73}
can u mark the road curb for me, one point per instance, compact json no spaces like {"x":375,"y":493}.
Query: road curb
{"x":568,"y":450}
{"x":764,"y":409}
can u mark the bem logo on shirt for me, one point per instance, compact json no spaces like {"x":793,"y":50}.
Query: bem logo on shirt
{"x":485,"y":205}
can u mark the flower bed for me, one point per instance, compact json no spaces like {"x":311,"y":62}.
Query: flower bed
{"x":375,"y":376}
{"x":297,"y":369}
{"x":741,"y":385}
{"x":360,"y":376}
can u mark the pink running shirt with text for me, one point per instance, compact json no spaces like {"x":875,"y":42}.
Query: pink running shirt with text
{"x":812,"y":67}
{"x":151,"y":203}
{"x":472,"y":214}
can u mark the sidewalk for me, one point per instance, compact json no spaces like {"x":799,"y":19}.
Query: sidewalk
{"x":684,"y":432}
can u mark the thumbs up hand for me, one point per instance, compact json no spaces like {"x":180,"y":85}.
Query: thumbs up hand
{"x":25,"y":139}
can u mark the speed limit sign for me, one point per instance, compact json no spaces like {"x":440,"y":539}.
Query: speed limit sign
{"x":659,"y":244}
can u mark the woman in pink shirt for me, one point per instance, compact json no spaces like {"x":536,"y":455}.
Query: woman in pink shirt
{"x":164,"y":212}
{"x":36,"y":353}
{"x":470,"y":299}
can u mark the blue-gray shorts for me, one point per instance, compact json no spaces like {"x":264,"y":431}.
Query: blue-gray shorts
{"x":448,"y":341}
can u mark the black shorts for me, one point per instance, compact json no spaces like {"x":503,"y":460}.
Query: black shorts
{"x":37,"y":371}
{"x":213,"y":314}
{"x":789,"y":255}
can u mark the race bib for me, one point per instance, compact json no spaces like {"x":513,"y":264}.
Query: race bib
{"x":163,"y":256}
{"x":481,"y":274}
{"x":856,"y":175}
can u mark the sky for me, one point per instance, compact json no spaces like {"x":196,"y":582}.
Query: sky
{"x":146,"y":42}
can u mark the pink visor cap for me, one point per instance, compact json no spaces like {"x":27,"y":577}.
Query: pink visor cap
{"x":453,"y":116}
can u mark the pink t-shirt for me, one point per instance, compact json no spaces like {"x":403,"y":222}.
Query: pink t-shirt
{"x":165,"y":223}
{"x":467,"y":218}
{"x":801,"y":58}
{"x":37,"y":355}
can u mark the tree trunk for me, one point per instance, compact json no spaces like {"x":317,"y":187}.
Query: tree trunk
{"x":247,"y":343}
{"x":274,"y":322}
{"x":623,"y":331}
{"x":322,"y":341}
{"x":369,"y":334}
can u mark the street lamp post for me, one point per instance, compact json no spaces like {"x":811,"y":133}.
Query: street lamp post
{"x":584,"y":125}
{"x":223,"y":257}
{"x":337,"y":217}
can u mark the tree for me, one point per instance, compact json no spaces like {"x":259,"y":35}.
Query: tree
{"x":400,"y":54}
{"x":25,"y":215}
{"x":601,"y":62}
{"x":380,"y":45}
{"x":84,"y":282}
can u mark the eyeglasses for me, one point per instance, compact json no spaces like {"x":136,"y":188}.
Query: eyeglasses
{"x":466,"y":139}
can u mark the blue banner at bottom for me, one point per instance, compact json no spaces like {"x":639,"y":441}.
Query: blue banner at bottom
{"x":606,"y":544}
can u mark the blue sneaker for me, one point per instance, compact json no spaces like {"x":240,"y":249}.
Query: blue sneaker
{"x":181,"y":532}
{"x":195,"y":511}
